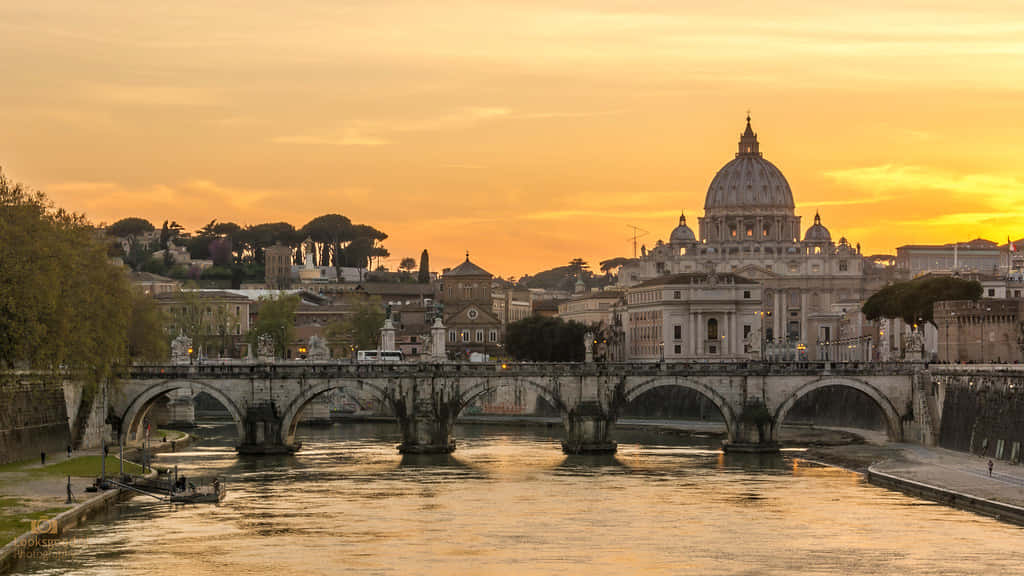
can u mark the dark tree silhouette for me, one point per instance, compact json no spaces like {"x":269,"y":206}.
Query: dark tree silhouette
{"x":424,"y":273}
{"x":912,"y":300}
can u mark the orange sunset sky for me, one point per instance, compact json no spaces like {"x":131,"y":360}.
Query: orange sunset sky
{"x":528,"y":132}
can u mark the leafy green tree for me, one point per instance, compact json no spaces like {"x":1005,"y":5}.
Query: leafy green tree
{"x":130,"y":227}
{"x":62,"y":304}
{"x":360,"y":328}
{"x":913,"y":300}
{"x":146,"y":335}
{"x":544,"y":339}
{"x":276,"y":316}
{"x":424,"y":273}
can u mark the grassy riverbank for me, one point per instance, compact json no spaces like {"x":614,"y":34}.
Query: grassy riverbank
{"x":30,"y":491}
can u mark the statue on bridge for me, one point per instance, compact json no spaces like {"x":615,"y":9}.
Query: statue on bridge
{"x":317,"y":349}
{"x":265,"y":347}
{"x":181,"y":350}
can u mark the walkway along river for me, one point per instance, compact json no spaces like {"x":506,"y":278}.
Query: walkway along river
{"x":508,"y":501}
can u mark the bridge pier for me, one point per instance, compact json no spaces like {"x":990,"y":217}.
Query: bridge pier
{"x":426,"y":416}
{"x":262,"y":432}
{"x":754,"y":431}
{"x":589,"y":428}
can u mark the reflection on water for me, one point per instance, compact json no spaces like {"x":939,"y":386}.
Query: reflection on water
{"x":508,"y":501}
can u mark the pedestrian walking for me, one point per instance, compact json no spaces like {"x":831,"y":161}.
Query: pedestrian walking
{"x":990,"y":467}
{"x":42,"y":458}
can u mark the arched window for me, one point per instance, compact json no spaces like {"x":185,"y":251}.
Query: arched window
{"x":712,"y":329}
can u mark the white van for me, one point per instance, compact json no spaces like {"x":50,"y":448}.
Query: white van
{"x":379,"y":356}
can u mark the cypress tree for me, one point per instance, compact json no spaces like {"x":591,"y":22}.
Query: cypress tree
{"x":424,"y":273}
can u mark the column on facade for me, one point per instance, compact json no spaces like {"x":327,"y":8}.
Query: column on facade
{"x":778,"y":315}
{"x":691,"y":331}
{"x":700,"y":331}
{"x":803,"y":319}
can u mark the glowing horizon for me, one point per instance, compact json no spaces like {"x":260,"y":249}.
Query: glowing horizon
{"x":524,"y":132}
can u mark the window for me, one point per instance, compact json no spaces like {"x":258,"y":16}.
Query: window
{"x":793,"y":267}
{"x":479,"y":335}
{"x":746,"y":331}
{"x":238,"y":310}
{"x":451,"y":336}
{"x":238,"y":329}
{"x":679,"y":349}
{"x":732,"y":232}
{"x":492,"y":336}
{"x":465,"y":335}
{"x":1016,"y":293}
{"x":843,"y":265}
{"x":815,"y":268}
{"x":712,"y":329}
{"x":991,"y":292}
{"x":746,"y":294}
{"x":677,"y":294}
{"x":472,"y":314}
{"x":677,"y":332}
{"x":750,"y":232}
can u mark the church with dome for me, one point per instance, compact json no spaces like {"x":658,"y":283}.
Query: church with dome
{"x":750,"y":283}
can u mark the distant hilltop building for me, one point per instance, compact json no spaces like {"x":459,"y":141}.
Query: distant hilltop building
{"x":750,"y":282}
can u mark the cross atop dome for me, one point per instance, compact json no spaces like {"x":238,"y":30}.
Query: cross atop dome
{"x":682,"y":219}
{"x":748,"y":141}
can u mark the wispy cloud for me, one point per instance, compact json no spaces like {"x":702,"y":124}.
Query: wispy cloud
{"x":351,"y":138}
{"x":897,"y":177}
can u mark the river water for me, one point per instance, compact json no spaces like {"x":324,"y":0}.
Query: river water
{"x":509,"y":502}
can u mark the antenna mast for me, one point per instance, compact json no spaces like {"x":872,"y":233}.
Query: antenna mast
{"x":638,"y":232}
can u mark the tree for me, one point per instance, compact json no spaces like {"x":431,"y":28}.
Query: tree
{"x":207,"y":324}
{"x":424,"y":273}
{"x":543,"y":339}
{"x":408,"y":264}
{"x":577,"y":265}
{"x":62,"y":304}
{"x":613,"y":263}
{"x":328,"y":233}
{"x":357,"y":253}
{"x":913,"y":300}
{"x":146,"y":337}
{"x":276,"y":316}
{"x":220,"y":250}
{"x":362,"y":327}
{"x":126,"y":227}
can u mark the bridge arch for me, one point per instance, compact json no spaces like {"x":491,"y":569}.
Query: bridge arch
{"x":485,"y":385}
{"x":290,"y":415}
{"x":131,"y":420}
{"x":889,"y":412}
{"x":632,"y":392}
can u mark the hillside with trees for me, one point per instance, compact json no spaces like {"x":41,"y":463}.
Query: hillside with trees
{"x":237,"y":252}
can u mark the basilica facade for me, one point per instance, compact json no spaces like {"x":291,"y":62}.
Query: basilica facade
{"x":751,"y":283}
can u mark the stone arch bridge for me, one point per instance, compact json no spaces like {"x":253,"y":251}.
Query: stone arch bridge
{"x":266,"y":399}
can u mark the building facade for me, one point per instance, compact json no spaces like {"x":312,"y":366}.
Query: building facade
{"x":986,"y":330}
{"x":472,"y":326}
{"x":750,"y":230}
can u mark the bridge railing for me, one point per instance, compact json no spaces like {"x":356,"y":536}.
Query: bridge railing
{"x":347,"y":369}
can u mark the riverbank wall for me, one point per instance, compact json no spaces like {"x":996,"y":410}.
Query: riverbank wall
{"x":952,"y":498}
{"x":33,"y":418}
{"x":981,"y":412}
